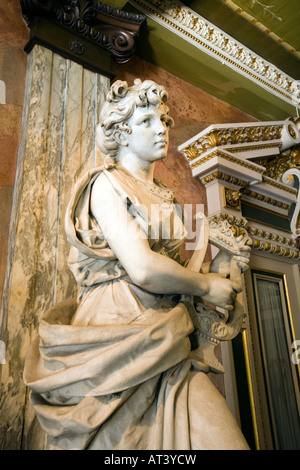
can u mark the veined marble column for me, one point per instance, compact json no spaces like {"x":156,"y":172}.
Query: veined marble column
{"x":61,"y":109}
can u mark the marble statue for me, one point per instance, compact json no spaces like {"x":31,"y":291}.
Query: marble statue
{"x":125,"y":365}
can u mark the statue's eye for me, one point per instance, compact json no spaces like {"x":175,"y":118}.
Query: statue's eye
{"x":146,"y":122}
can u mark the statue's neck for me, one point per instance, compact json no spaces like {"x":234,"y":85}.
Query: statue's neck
{"x":137,"y":168}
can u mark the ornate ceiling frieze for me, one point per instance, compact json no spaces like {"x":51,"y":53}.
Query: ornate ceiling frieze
{"x":207,"y":37}
{"x":80,"y":28}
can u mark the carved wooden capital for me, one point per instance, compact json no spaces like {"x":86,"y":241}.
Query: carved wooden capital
{"x":86,"y":31}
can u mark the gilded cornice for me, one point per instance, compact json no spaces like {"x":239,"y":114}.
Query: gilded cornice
{"x":232,"y":196}
{"x":245,"y":190}
{"x":264,"y":240}
{"x":247,"y":134}
{"x":258,"y":147}
{"x":250,"y":148}
{"x":265,"y":199}
{"x":219,"y":175}
{"x":229,"y":158}
{"x":278,"y":185}
{"x":276,"y":249}
{"x":210,"y":39}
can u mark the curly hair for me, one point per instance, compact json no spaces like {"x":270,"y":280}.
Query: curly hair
{"x":121,"y":102}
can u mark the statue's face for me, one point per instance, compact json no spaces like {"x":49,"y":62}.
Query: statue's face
{"x":149,"y":138}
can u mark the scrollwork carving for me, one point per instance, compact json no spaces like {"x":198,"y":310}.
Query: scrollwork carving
{"x":106,"y":26}
{"x":229,"y":236}
{"x":277,"y":166}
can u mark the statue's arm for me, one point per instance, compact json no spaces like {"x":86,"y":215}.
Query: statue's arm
{"x":147,"y":269}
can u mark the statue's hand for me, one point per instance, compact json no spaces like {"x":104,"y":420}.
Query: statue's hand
{"x":222,"y":261}
{"x":222,"y":292}
{"x":243,"y":257}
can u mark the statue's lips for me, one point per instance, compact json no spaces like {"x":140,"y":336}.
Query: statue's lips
{"x":161,"y":142}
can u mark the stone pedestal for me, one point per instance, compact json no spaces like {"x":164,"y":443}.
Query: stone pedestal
{"x":61,"y":109}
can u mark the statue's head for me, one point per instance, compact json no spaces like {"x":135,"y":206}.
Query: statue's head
{"x":121,"y":102}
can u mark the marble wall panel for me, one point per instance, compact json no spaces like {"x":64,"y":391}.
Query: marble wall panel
{"x":58,"y":144}
{"x":85,"y":92}
{"x":10,"y":125}
{"x":13,"y":36}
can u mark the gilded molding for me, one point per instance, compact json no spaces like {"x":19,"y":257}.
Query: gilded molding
{"x":275,"y":249}
{"x":208,"y":37}
{"x":251,"y":148}
{"x":230,"y":158}
{"x":243,"y":190}
{"x":219,"y":175}
{"x":265,"y":199}
{"x":233,"y":136}
{"x":263,"y":240}
{"x":232,"y":198}
{"x":278,"y":185}
{"x":277,"y":166}
{"x":231,"y":219}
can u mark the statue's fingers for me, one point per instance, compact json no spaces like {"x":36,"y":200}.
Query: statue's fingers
{"x":243,"y":266}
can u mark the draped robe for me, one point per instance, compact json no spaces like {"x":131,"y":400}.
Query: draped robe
{"x":114,"y":369}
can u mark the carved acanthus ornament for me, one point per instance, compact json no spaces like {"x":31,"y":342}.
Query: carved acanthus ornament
{"x":277,"y":166}
{"x":90,"y":20}
{"x":232,"y":136}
